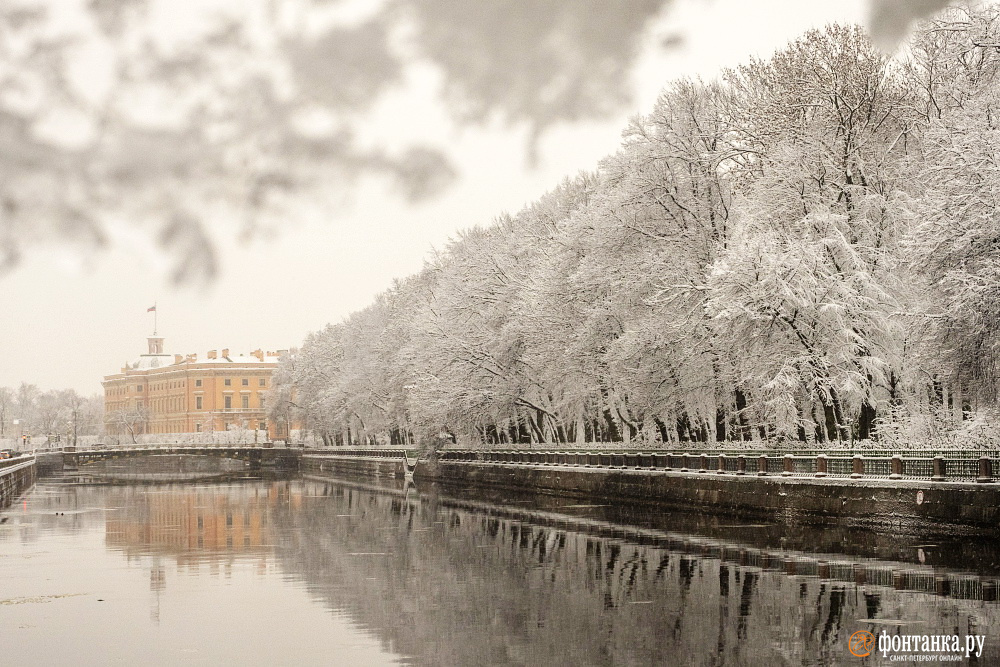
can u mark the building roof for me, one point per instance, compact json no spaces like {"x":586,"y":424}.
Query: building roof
{"x":234,"y":359}
{"x":149,"y":361}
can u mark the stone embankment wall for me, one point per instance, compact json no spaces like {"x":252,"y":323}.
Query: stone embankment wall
{"x":871,"y":503}
{"x":895,"y":504}
{"x":16,"y":476}
{"x":73,"y":458}
{"x":383,"y":463}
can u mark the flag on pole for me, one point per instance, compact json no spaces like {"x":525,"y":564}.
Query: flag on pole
{"x":152,"y":309}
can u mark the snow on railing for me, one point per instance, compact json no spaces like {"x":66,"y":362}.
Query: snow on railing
{"x":979,"y":468}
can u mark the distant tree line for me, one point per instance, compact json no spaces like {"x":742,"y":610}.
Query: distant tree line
{"x":806,"y":250}
{"x":29,"y":411}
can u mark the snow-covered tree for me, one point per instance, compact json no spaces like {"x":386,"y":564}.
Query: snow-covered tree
{"x":954,"y":245}
{"x":6,"y":409}
{"x":805,"y":292}
{"x":802,"y":251}
{"x":128,"y":420}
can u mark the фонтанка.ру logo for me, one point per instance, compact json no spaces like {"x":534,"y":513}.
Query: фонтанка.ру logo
{"x":861,"y":643}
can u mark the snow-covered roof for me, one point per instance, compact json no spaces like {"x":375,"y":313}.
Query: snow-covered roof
{"x":157,"y":359}
{"x":237,"y":359}
{"x":148,"y":361}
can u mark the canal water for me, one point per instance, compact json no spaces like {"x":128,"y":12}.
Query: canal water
{"x":317,"y":571}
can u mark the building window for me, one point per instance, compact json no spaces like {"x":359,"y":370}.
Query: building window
{"x":197,"y":402}
{"x":261,"y":426}
{"x":138,"y":387}
{"x":245,"y":382}
{"x":228,"y":382}
{"x":262,"y":382}
{"x":245,"y":401}
{"x":197,"y":383}
{"x":229,"y":402}
{"x":197,"y":428}
{"x":260,"y":400}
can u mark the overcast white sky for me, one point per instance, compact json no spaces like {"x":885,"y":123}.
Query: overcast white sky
{"x":67,"y":325}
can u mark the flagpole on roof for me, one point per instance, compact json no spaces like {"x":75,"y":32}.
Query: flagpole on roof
{"x":154,"y":311}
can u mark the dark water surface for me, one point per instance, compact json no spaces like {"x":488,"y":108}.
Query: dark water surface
{"x":323,"y":571}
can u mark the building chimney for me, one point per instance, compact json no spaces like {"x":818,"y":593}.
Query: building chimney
{"x":225,"y":353}
{"x":212,"y":354}
{"x":178,"y":358}
{"x":258,"y":353}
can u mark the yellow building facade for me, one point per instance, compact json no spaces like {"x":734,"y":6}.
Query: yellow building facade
{"x":163,"y":393}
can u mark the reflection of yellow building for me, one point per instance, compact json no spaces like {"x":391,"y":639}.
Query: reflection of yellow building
{"x":163,"y":393}
{"x":186,"y":521}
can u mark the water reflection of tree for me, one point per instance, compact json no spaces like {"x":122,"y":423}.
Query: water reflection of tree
{"x":453,"y":586}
